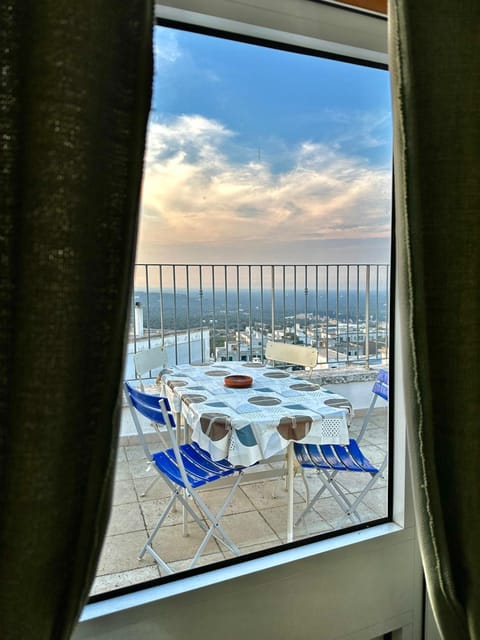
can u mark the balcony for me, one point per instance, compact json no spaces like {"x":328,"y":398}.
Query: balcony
{"x":227,"y":312}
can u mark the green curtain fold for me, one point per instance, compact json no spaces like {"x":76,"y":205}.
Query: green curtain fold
{"x":434,"y":52}
{"x":75,"y":96}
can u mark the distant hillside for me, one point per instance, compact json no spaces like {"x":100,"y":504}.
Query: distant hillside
{"x":180,"y":310}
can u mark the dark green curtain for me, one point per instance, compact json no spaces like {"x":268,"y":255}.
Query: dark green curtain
{"x":435,"y":64}
{"x":74,"y":101}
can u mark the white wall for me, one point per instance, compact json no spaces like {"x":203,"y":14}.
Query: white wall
{"x":188,"y":348}
{"x":359,"y":393}
{"x":309,"y":598}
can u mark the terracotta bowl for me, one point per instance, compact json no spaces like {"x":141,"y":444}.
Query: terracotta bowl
{"x":238,"y":381}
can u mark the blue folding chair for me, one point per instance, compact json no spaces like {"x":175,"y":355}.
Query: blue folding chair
{"x":151,"y":362}
{"x":185,"y":469}
{"x":329,"y":460}
{"x":380,"y":390}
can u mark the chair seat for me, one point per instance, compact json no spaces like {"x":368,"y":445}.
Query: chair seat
{"x":199,"y":466}
{"x":338,"y":457}
{"x":328,"y":460}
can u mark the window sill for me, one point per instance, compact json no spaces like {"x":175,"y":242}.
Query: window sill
{"x":214,"y":576}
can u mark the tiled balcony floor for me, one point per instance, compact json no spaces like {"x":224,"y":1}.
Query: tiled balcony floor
{"x":256,"y":518}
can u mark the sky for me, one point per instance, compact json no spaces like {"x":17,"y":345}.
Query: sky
{"x":256,"y":155}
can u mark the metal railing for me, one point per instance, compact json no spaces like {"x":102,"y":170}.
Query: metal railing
{"x":213,"y":312}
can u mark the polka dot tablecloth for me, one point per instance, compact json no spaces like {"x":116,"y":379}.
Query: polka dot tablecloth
{"x":251,"y":424}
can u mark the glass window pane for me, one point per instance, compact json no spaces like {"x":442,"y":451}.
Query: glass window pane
{"x":266,"y":216}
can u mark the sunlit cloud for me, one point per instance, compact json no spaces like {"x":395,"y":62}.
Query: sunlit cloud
{"x":197,"y":193}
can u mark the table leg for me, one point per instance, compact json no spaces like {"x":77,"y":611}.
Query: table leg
{"x":290,"y":476}
{"x":178,"y":422}
{"x":181,"y":424}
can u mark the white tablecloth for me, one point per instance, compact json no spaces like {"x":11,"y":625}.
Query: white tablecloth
{"x":252,"y":424}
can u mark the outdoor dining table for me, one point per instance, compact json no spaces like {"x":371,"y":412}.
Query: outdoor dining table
{"x":255,"y":423}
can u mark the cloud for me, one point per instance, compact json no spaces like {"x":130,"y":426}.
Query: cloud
{"x":359,"y":129}
{"x":198,"y":193}
{"x":166,"y":48}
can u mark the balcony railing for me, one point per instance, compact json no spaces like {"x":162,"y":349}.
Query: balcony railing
{"x":227,"y":312}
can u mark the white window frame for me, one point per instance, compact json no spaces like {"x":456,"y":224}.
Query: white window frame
{"x":350,"y":34}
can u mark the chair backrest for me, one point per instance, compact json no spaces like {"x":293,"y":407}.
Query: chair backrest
{"x":149,"y":405}
{"x":154,"y":408}
{"x":380,"y":386}
{"x":379,"y":390}
{"x":157,"y":410}
{"x":148,"y":360}
{"x":291,"y":353}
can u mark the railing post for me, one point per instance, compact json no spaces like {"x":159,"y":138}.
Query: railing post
{"x":202,"y":328}
{"x":189,"y":340}
{"x":367,"y":317}
{"x":147,"y":286}
{"x":273,"y":302}
{"x":162,"y":325}
{"x":213,"y":349}
{"x":305,"y":292}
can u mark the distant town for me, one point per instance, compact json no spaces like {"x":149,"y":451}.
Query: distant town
{"x":235,"y":325}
